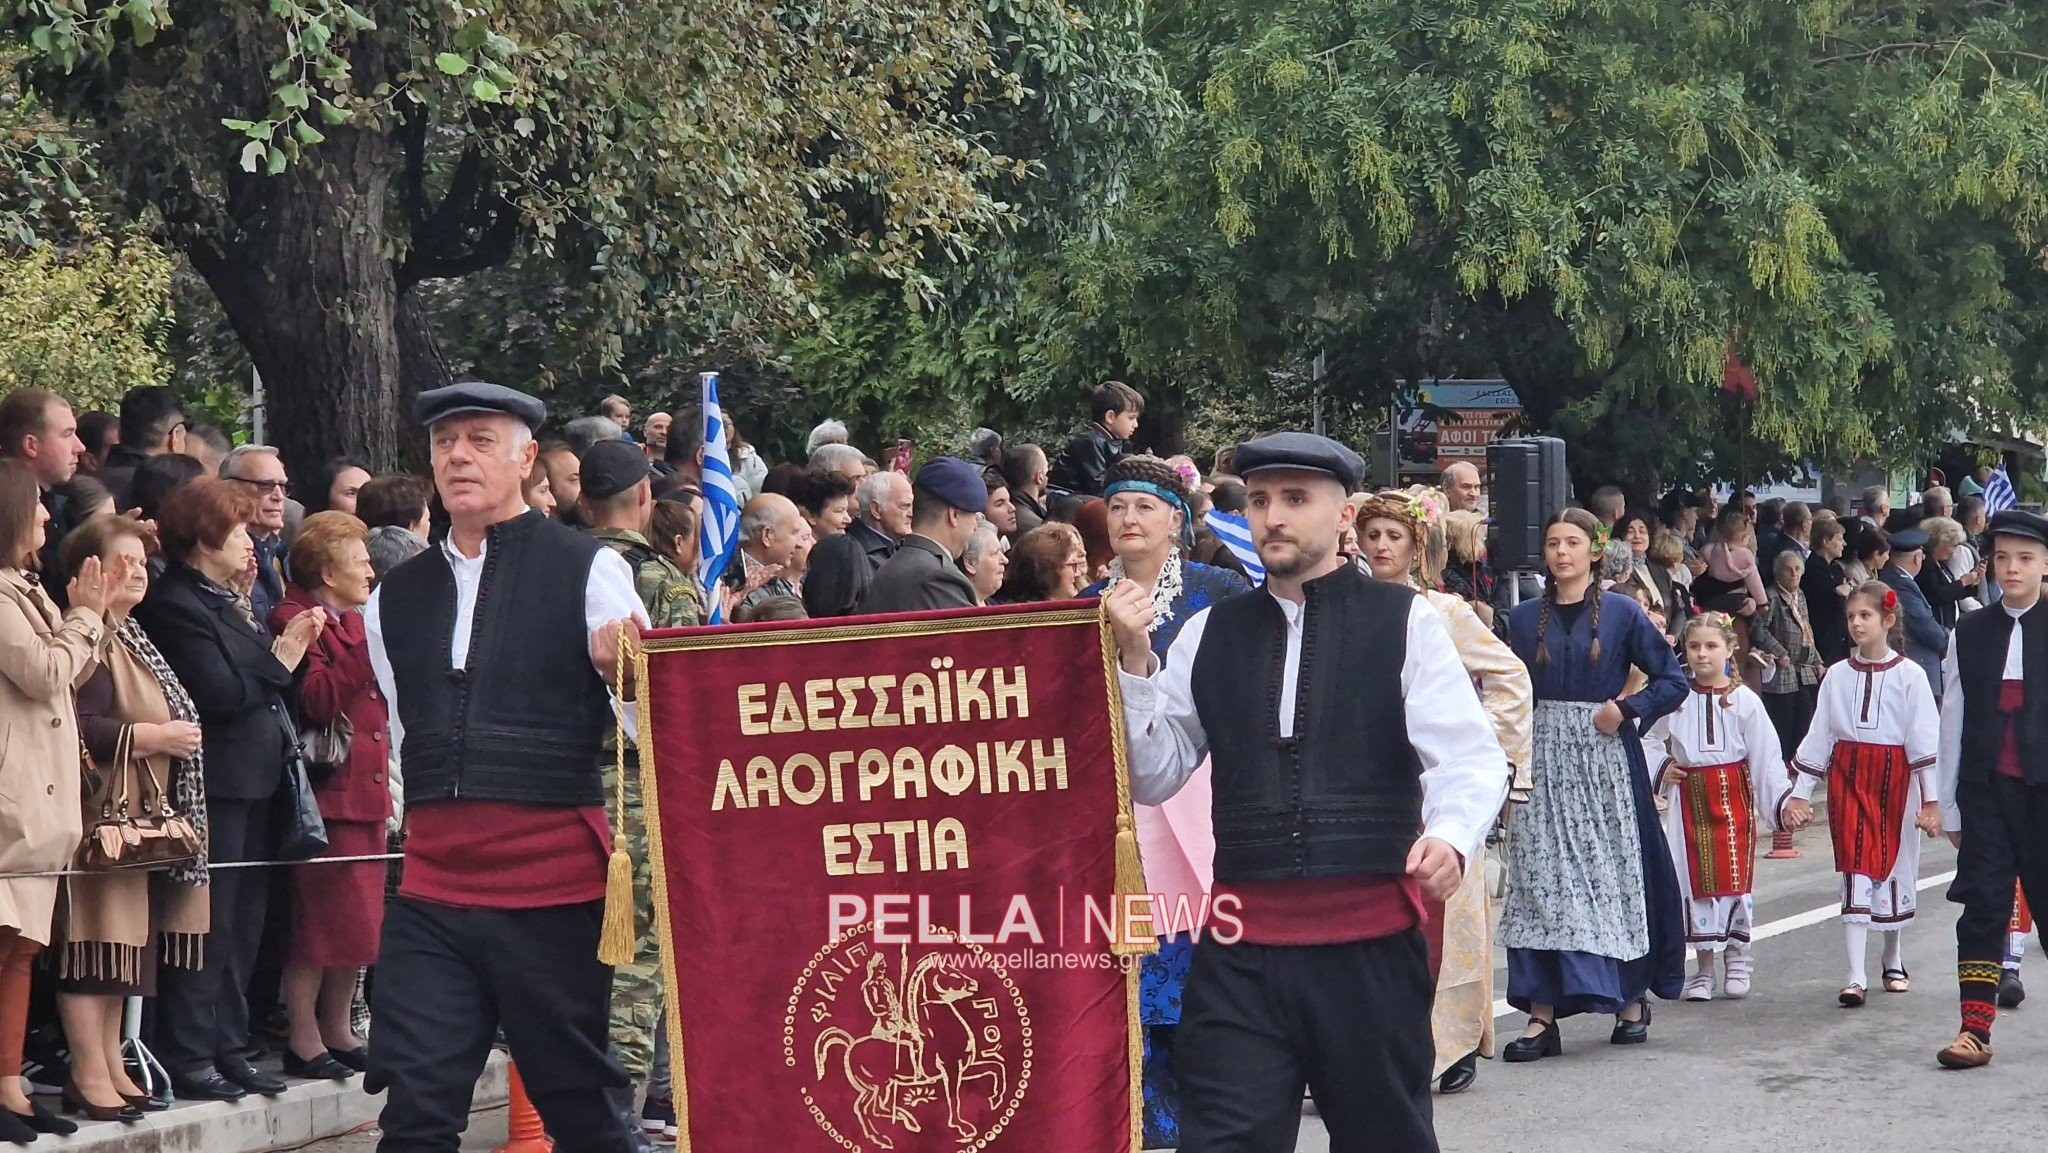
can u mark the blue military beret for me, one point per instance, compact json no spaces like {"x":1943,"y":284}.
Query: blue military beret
{"x":1909,"y":540}
{"x":954,"y":481}
{"x":1302,"y":451}
{"x":474,"y":397}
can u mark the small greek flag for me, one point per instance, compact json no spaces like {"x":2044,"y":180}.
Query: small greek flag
{"x":1236,"y":534}
{"x":1998,"y":492}
{"x":718,"y":537}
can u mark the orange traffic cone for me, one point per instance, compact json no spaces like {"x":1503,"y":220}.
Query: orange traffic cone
{"x":1781,"y":847}
{"x":527,"y":1135}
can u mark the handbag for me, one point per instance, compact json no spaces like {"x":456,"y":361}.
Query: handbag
{"x":130,"y":835}
{"x":327,"y":746}
{"x":301,"y":830}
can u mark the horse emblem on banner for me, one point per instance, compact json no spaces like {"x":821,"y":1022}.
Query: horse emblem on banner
{"x":931,"y":1045}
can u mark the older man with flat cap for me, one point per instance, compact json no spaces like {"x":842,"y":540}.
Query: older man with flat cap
{"x":1300,"y":694}
{"x":1994,"y":771}
{"x":947,"y":499}
{"x":496,"y":651}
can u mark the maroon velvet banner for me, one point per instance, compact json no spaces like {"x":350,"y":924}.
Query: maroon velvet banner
{"x":886,"y":862}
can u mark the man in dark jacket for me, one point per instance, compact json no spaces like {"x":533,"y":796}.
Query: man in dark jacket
{"x":1926,"y":640}
{"x":1113,"y":409}
{"x":153,"y":422}
{"x":948,"y":497}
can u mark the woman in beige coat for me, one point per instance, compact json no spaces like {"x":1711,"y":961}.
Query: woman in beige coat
{"x":44,"y":656}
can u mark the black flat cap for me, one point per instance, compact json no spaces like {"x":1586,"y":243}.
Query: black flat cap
{"x":475,"y":397}
{"x":610,"y":467}
{"x":1909,"y":540}
{"x":954,"y":481}
{"x":1304,"y":452}
{"x":2020,"y":523}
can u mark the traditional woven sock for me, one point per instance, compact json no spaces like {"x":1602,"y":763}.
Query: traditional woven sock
{"x":1856,"y":935}
{"x":1979,"y":987}
{"x":1894,"y":948}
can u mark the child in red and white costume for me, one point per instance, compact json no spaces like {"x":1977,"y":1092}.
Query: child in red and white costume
{"x":1875,"y":740}
{"x":1724,"y":774}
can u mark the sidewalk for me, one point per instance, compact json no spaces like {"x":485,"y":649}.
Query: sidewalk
{"x":308,"y":1111}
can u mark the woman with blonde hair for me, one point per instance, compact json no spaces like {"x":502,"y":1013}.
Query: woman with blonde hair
{"x":1402,"y":538}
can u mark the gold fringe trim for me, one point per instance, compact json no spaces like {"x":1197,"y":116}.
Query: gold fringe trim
{"x":1133,"y":978}
{"x":615,"y":940}
{"x":1130,"y":865}
{"x":650,"y":814}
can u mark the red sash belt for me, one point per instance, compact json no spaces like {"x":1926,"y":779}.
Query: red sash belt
{"x":1867,"y":806}
{"x":1720,"y":828}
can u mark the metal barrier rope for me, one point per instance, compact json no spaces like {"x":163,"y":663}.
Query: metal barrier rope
{"x":210,"y":865}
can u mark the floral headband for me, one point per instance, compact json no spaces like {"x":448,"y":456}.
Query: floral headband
{"x":1411,"y":508}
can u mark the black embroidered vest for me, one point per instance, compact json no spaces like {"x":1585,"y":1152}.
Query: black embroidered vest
{"x":524,"y":718}
{"x":1981,"y":641}
{"x":1343,"y":795}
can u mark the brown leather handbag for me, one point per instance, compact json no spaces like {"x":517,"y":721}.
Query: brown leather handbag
{"x":133,"y":834}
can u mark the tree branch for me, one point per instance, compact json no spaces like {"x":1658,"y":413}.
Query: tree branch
{"x":1929,"y":46}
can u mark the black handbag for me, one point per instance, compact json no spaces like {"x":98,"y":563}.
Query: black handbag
{"x":301,"y":830}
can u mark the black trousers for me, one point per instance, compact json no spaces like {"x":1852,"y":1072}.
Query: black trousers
{"x":1348,"y":1022}
{"x":2005,"y":836}
{"x":447,"y":978}
{"x":203,"y":1015}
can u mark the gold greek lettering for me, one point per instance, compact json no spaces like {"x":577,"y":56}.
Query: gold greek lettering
{"x":850,"y":716}
{"x":1010,"y":765}
{"x":874,"y":772}
{"x":818,"y":706}
{"x":787,"y":718}
{"x":1008,"y":693}
{"x":909,"y":771}
{"x":898,"y":830}
{"x":865,"y":834}
{"x":972,"y":700}
{"x":1054,"y":762}
{"x":949,"y":839}
{"x":882,"y":718}
{"x":728,"y":786}
{"x":761,"y":783}
{"x":952,"y":770}
{"x":789,"y":770}
{"x":753,"y":710}
{"x":918,"y":698}
{"x":836,"y":849}
{"x":837,"y":763}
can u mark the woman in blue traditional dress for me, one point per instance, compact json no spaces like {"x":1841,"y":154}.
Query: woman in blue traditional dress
{"x":1592,"y":923}
{"x":1149,"y":522}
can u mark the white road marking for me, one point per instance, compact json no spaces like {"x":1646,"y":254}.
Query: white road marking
{"x":1785,"y":925}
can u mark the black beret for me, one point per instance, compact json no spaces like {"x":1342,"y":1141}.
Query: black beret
{"x":954,"y":481}
{"x":610,"y":467}
{"x":1302,"y":451}
{"x":1909,"y":540}
{"x":2020,"y":523}
{"x":474,"y":397}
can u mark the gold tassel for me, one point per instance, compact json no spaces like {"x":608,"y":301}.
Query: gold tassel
{"x":616,"y":939}
{"x":1130,"y":881}
{"x":615,"y":942}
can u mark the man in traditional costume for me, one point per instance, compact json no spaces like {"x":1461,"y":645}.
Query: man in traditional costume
{"x":1322,"y":774}
{"x":495,"y":649}
{"x":1994,"y":754}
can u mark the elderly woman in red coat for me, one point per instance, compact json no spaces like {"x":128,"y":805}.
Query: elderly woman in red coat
{"x":337,"y":910}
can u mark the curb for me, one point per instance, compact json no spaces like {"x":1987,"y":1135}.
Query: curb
{"x":308,"y":1111}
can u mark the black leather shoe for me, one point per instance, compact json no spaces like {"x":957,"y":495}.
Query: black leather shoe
{"x":357,"y":1058}
{"x":15,"y":1129}
{"x":1460,"y":1075}
{"x":1628,"y":1032}
{"x":321,"y":1068}
{"x":1548,"y":1043}
{"x":43,"y":1121}
{"x":238,"y":1070}
{"x":207,"y":1085}
{"x":2010,"y":991}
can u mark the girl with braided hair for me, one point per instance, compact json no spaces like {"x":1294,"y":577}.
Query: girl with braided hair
{"x":1402,"y":539}
{"x":1592,"y":922}
{"x":1875,"y":738}
{"x":1150,"y":520}
{"x":1723,"y":774}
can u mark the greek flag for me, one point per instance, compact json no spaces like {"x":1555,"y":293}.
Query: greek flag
{"x":718,"y":537}
{"x":1998,"y":492}
{"x":1236,"y":534}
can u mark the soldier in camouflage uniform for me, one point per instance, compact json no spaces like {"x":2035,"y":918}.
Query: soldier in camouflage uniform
{"x":616,"y":503}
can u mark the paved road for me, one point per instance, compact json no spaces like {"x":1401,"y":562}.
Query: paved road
{"x":1785,"y":1070}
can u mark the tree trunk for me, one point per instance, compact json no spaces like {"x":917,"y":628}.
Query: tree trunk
{"x":312,"y":293}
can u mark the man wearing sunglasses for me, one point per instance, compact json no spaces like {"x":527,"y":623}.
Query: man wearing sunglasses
{"x":257,"y":468}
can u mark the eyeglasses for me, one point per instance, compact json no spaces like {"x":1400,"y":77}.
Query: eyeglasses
{"x":265,"y":487}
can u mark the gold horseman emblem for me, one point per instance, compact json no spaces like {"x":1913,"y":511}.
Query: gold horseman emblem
{"x":924,"y":1035}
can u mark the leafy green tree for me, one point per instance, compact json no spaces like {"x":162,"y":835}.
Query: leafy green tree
{"x":677,"y":163}
{"x":85,"y":321}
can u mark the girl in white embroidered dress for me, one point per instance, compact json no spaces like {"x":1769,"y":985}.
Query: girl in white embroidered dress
{"x":1874,"y":738}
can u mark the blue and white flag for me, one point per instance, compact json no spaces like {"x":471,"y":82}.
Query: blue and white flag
{"x":1236,"y":534}
{"x":718,"y":536}
{"x":1998,"y":492}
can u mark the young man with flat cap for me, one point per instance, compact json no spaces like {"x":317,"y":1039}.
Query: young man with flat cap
{"x":947,"y":499}
{"x":496,"y":649}
{"x":1300,"y":694}
{"x":1994,"y":769}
